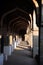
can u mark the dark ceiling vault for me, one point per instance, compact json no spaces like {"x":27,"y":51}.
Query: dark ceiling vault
{"x":19,"y":16}
{"x":18,"y":25}
{"x":22,"y":32}
{"x":15,"y":13}
{"x":21,"y":25}
{"x":26,"y":5}
{"x":19,"y":20}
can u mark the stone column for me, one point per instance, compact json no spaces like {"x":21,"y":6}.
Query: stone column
{"x":11,"y":42}
{"x":41,"y":45}
{"x":17,"y":40}
{"x":31,"y":20}
{"x":0,"y":43}
{"x":41,"y":36}
{"x":14,"y":41}
{"x":7,"y":46}
{"x":1,"y":52}
{"x":10,"y":39}
{"x":35,"y":35}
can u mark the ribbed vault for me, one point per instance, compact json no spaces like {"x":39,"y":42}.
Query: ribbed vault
{"x":16,"y":20}
{"x":15,"y":14}
{"x":18,"y":24}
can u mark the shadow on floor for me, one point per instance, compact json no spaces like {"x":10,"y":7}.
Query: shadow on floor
{"x":20,"y":57}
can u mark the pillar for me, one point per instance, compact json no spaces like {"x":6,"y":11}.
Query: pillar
{"x":41,"y":35}
{"x":7,"y":46}
{"x":35,"y":35}
{"x":31,"y":33}
{"x":11,"y":42}
{"x":31,"y":20}
{"x":18,"y":40}
{"x":1,"y":50}
{"x":10,"y":39}
{"x":2,"y":44}
{"x":14,"y":41}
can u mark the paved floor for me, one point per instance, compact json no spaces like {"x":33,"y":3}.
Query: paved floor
{"x":20,"y":57}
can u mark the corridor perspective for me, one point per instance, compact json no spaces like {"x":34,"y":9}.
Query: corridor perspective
{"x":19,"y":32}
{"x":22,"y":56}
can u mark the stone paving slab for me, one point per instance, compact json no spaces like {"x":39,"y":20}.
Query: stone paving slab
{"x":20,"y":57}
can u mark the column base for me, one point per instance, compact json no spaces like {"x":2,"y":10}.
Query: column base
{"x":5,"y":57}
{"x":35,"y":51}
{"x":7,"y":50}
{"x":1,"y":59}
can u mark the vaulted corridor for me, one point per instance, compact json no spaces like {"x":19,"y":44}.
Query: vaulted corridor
{"x":19,"y":32}
{"x":21,"y":56}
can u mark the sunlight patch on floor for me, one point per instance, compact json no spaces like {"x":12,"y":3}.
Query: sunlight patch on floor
{"x":17,"y":48}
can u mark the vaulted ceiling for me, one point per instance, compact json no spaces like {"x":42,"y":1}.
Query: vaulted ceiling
{"x":15,"y":14}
